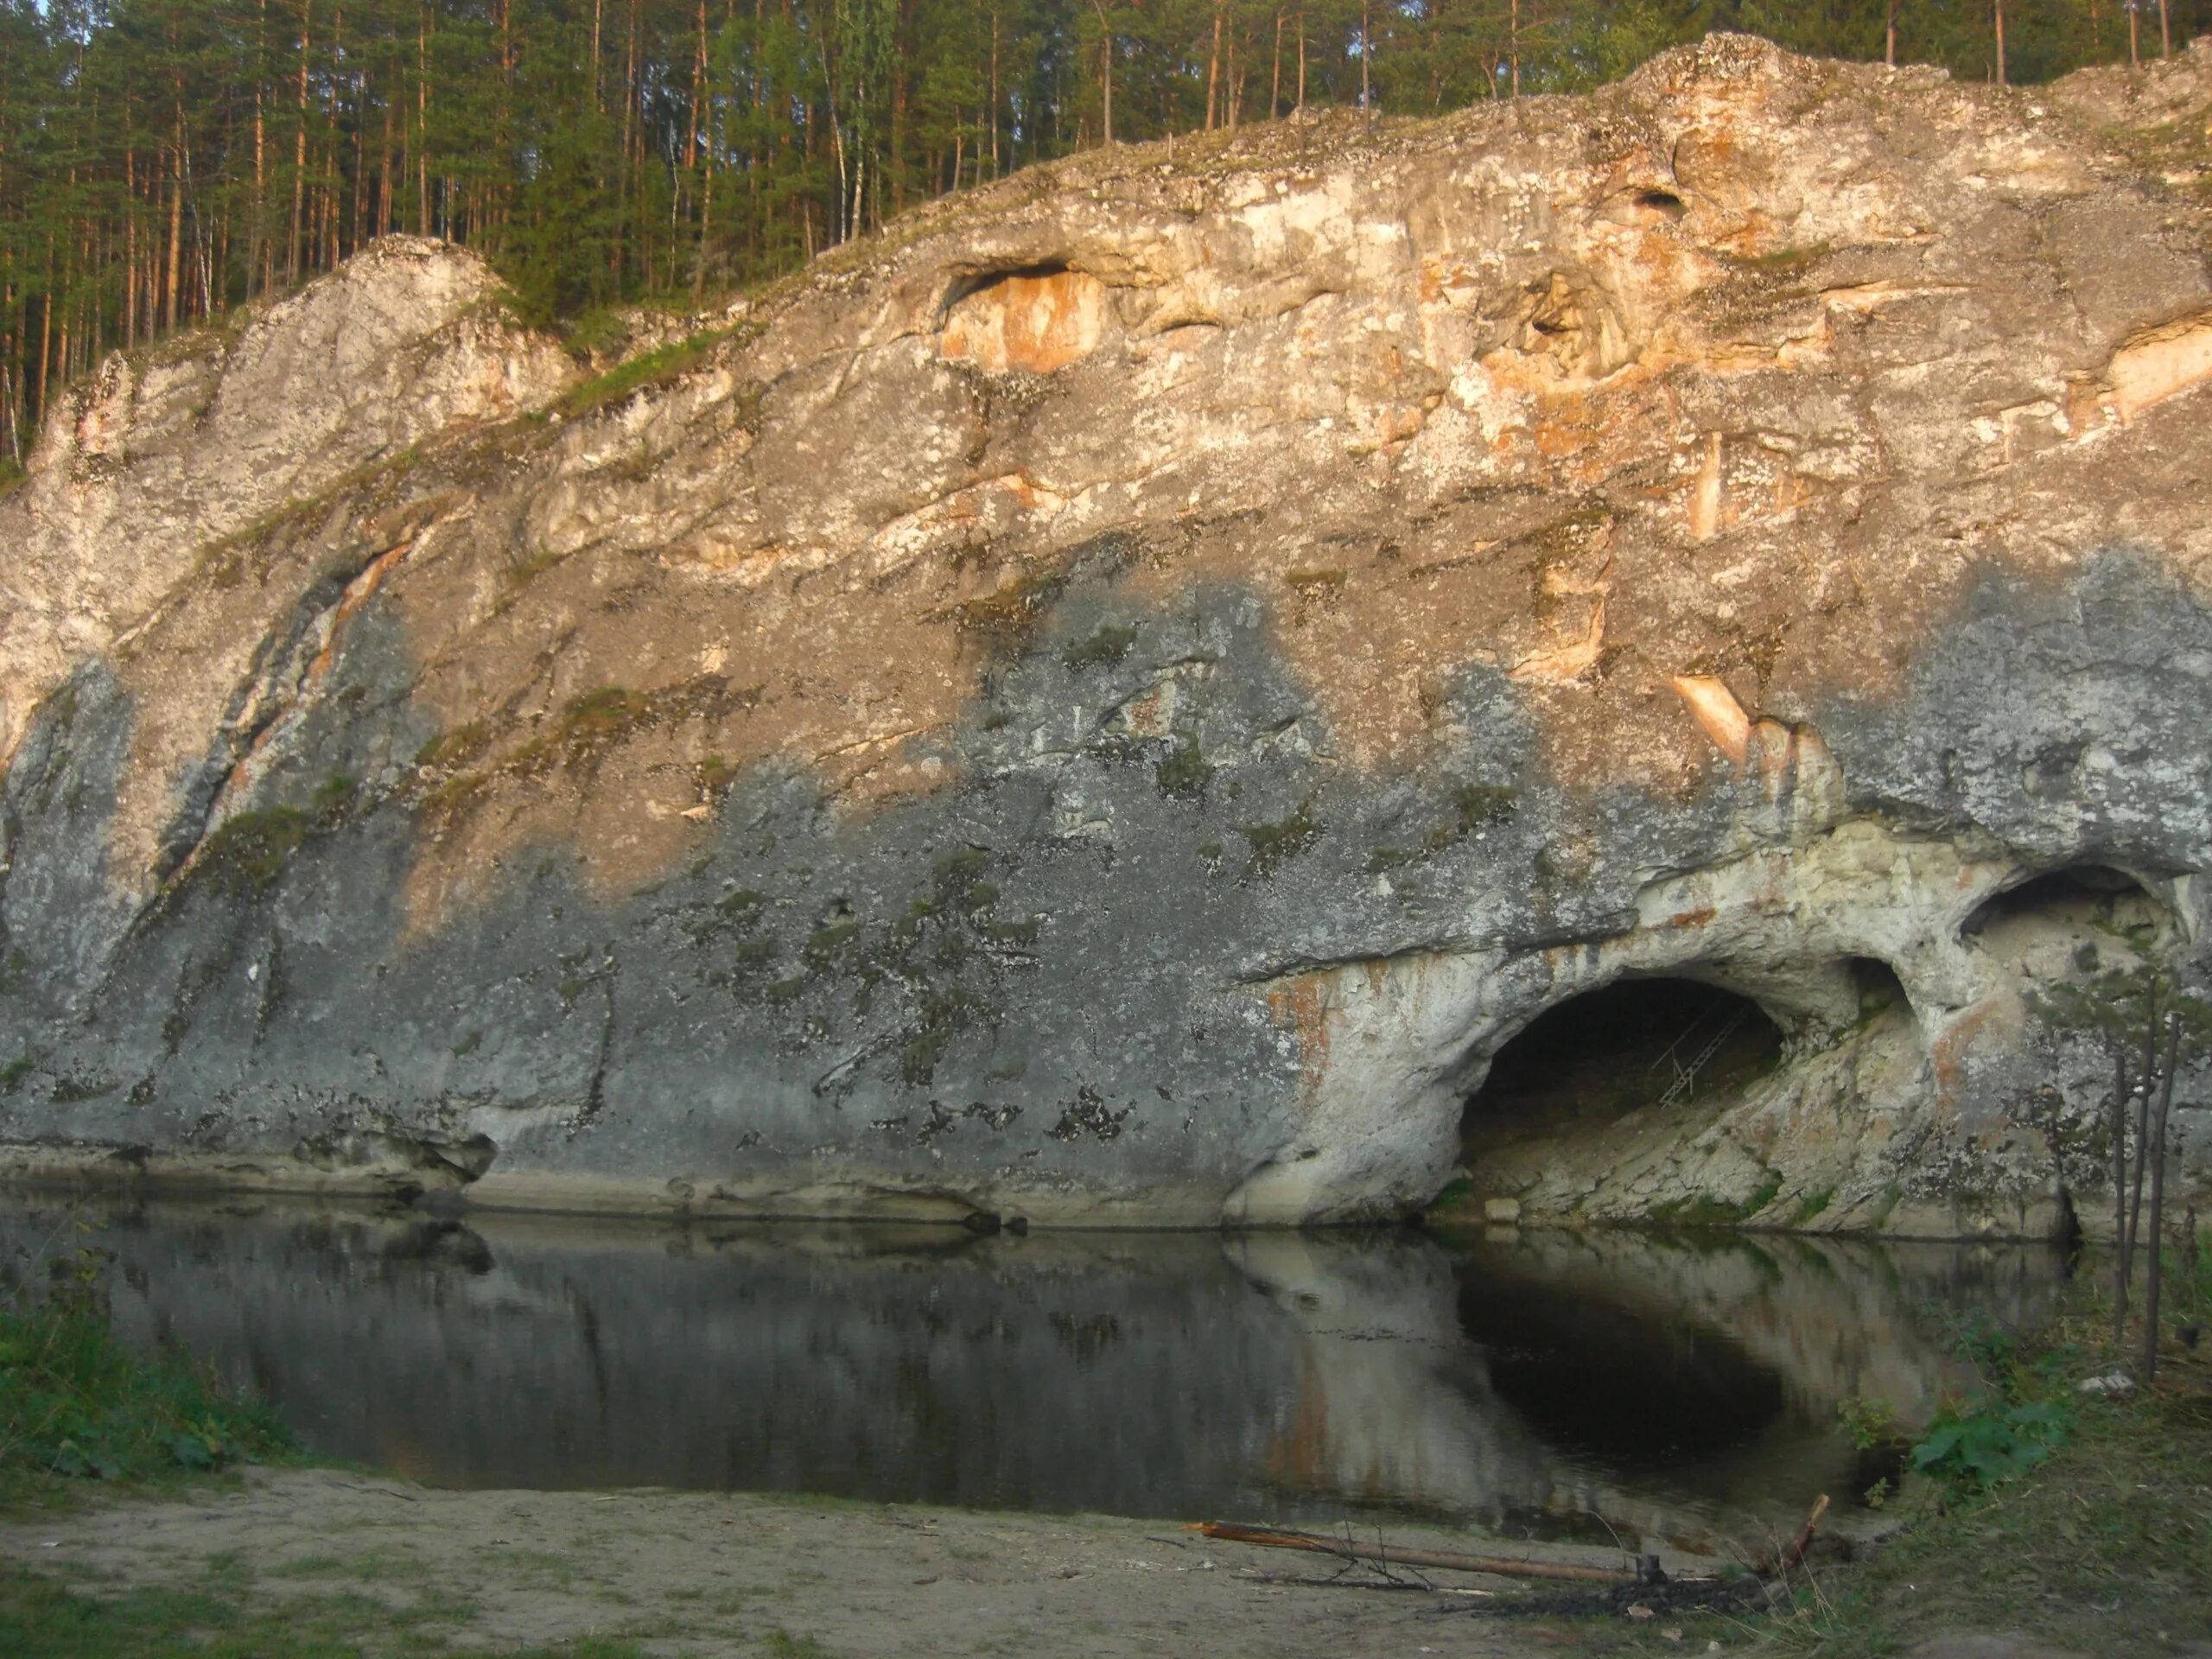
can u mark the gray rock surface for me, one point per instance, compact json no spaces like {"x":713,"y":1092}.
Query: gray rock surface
{"x":1112,"y":701}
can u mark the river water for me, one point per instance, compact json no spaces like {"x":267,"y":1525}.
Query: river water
{"x":1548,"y":1384}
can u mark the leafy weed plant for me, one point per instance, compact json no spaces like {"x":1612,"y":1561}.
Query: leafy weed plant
{"x":2085,"y":1521}
{"x":76,"y":1404}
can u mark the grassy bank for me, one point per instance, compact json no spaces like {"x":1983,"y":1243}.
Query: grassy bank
{"x":78,"y":1408}
{"x":2104,"y":1547}
{"x":2029,"y":1507}
{"x":81,"y":1414}
{"x":221,"y":1618}
{"x":2080,"y":1522}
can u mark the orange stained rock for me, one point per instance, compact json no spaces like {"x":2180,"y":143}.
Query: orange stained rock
{"x":1304,"y":1445}
{"x":1570,"y":660}
{"x":1303,"y":1005}
{"x":1030,"y":324}
{"x":2161,"y":364}
{"x":1716,"y":710}
{"x":1948,"y":1053}
{"x":1705,"y":494}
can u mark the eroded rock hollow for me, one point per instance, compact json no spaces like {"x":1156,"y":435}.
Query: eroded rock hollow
{"x":1116,"y":701}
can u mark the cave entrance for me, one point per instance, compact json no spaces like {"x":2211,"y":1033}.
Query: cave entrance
{"x":2078,"y":897}
{"x":1633,"y":1044}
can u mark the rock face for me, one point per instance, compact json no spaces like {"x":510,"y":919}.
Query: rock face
{"x":1113,"y":703}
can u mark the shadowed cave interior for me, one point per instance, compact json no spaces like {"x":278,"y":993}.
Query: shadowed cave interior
{"x":1634,"y":1044}
{"x":2083,"y":896}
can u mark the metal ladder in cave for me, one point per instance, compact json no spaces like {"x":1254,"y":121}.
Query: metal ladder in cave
{"x":1685,"y":1076}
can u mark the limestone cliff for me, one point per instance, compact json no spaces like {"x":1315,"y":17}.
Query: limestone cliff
{"x":1112,"y":701}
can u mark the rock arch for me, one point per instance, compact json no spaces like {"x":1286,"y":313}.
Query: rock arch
{"x":1826,"y":936}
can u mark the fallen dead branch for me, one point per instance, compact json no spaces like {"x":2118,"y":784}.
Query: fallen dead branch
{"x":1803,"y":1540}
{"x":1308,"y":1582}
{"x":1347,"y":1549}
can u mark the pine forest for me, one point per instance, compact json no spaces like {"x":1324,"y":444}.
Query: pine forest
{"x":161,"y":160}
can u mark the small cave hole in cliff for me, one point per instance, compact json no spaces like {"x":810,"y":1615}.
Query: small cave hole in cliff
{"x":1880,"y":991}
{"x":1034,"y":319}
{"x":1633,"y":1046}
{"x":2079,"y":897}
{"x":982,"y":281}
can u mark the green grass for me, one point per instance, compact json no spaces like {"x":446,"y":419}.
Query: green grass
{"x":2102,"y":1547}
{"x":1813,"y":1205}
{"x":77,"y":1406}
{"x":648,"y":369}
{"x":1184,"y":772}
{"x":248,"y":853}
{"x":1705,"y":1211}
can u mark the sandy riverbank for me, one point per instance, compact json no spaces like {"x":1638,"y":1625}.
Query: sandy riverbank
{"x":739,"y":1574}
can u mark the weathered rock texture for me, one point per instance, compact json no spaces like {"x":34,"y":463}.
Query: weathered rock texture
{"x":1114,"y":702}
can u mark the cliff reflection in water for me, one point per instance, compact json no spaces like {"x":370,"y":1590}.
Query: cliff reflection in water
{"x":1552,"y":1382}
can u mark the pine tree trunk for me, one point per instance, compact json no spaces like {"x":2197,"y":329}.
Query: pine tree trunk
{"x":257,"y":245}
{"x":422,"y":121}
{"x":2120,"y":1194}
{"x":1275,"y":90}
{"x":1213,"y":65}
{"x":176,"y":236}
{"x":1235,"y":82}
{"x":130,"y":248}
{"x":1366,"y":53}
{"x":2154,"y":1269}
{"x":299,"y":155}
{"x":2143,"y":1120}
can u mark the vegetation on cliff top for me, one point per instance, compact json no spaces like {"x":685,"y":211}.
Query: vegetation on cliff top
{"x":167,"y":159}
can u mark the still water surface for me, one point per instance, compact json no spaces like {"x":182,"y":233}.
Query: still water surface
{"x":1550,"y":1384}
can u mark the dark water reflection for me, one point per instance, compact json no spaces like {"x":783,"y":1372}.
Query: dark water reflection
{"x":1559,"y":1384}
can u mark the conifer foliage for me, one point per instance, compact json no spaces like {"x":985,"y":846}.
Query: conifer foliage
{"x":163,"y":160}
